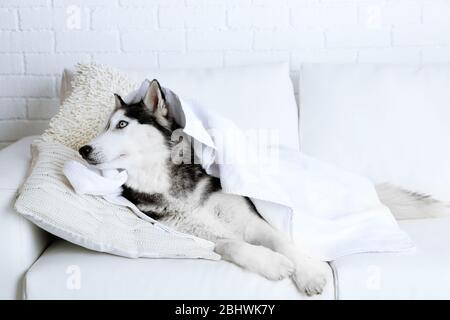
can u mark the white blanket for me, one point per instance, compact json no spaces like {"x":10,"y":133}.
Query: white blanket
{"x":331,"y":212}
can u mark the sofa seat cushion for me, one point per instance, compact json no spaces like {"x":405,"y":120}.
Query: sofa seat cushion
{"x":67,"y":271}
{"x":423,"y":274}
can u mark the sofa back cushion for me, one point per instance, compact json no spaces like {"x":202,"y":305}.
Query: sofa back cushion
{"x":259,"y":97}
{"x":390,"y":123}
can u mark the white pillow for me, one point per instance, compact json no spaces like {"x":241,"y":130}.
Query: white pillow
{"x":48,"y":200}
{"x":390,"y":123}
{"x":254,"y":97}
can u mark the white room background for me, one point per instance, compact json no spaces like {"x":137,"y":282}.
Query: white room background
{"x":38,"y":38}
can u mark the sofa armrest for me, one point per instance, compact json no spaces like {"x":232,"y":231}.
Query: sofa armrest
{"x":21,"y":242}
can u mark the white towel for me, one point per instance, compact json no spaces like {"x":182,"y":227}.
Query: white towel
{"x":331,"y":212}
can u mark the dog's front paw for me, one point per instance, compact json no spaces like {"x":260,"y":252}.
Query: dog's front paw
{"x":311,"y":276}
{"x":276,"y":267}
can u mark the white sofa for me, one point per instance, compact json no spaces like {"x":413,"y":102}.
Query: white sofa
{"x":37,"y":266}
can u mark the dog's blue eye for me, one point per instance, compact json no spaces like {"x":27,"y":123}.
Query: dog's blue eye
{"x":121,"y":124}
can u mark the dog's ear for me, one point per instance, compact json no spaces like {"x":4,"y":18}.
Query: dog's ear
{"x":154,"y":99}
{"x":118,"y":101}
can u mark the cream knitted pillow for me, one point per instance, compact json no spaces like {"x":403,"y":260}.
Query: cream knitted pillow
{"x":48,"y":200}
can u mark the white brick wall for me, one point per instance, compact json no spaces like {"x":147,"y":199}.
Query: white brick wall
{"x":38,"y":38}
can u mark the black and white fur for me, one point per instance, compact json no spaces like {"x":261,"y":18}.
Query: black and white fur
{"x":182,"y":196}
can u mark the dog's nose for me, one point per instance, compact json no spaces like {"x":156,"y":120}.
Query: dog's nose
{"x":85,"y":151}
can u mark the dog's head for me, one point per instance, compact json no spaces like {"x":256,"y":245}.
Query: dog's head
{"x":133,"y":131}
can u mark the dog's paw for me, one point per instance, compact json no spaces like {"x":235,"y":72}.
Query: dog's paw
{"x":276,"y":267}
{"x":311,"y":276}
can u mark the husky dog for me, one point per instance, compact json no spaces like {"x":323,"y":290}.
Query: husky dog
{"x":138,"y":138}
